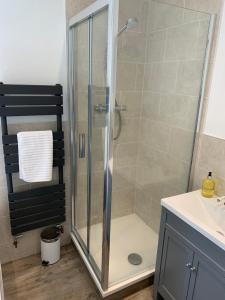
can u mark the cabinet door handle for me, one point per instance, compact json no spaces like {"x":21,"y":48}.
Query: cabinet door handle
{"x":188,"y":265}
{"x":81,"y":145}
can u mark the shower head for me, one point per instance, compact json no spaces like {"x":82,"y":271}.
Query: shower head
{"x":131,"y":23}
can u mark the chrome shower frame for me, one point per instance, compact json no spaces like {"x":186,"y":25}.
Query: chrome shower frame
{"x":100,"y":276}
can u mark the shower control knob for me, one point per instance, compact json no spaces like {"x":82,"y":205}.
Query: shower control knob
{"x":100,"y":108}
{"x":193,"y":269}
{"x":188,"y":265}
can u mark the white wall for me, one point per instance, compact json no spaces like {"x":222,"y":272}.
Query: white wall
{"x":33,"y":42}
{"x":215,"y":117}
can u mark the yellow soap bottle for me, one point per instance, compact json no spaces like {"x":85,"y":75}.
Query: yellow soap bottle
{"x":208,"y":186}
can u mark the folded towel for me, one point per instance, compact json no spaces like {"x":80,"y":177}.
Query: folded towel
{"x":35,"y":151}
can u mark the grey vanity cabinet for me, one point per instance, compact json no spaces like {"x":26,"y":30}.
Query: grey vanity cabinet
{"x":189,"y":266}
{"x":177,"y":258}
{"x":207,"y":281}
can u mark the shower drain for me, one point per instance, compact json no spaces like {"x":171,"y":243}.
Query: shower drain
{"x":134,"y":259}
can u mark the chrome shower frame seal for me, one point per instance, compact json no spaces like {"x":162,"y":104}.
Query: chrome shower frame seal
{"x":201,"y":104}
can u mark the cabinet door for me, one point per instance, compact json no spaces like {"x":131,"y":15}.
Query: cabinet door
{"x":175,"y":271}
{"x":207,"y":280}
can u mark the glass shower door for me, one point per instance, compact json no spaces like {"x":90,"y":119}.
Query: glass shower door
{"x":89,"y":131}
{"x":80,"y":119}
{"x":97,"y":119}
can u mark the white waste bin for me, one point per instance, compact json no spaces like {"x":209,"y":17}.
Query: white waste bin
{"x":50,"y":246}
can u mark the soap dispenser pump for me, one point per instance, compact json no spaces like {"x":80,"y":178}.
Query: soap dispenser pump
{"x":208,"y":186}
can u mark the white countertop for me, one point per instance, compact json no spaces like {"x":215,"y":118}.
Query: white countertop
{"x":206,"y":215}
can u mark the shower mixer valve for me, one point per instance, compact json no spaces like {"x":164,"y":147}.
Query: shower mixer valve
{"x":102,"y":108}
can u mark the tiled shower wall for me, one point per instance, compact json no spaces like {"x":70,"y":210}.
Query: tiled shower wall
{"x":130,"y":72}
{"x":210,"y":153}
{"x":166,"y":56}
{"x":175,"y":49}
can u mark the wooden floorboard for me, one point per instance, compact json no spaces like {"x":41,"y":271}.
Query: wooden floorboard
{"x":27,"y":279}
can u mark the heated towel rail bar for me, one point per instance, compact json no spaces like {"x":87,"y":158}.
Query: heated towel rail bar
{"x":45,"y":205}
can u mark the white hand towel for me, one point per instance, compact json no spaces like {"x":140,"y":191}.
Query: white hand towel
{"x":35,"y":151}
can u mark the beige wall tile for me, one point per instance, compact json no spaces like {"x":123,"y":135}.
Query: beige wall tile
{"x":204,"y":5}
{"x":143,"y":205}
{"x":210,"y":157}
{"x":173,"y":2}
{"x":4,"y":204}
{"x":163,"y":16}
{"x":126,"y":76}
{"x":99,"y":73}
{"x":129,"y":132}
{"x":100,"y":36}
{"x":156,"y":46}
{"x":5,"y":254}
{"x":178,"y":110}
{"x":151,"y":105}
{"x":82,"y":185}
{"x":81,"y":211}
{"x":131,"y":47}
{"x":133,"y":102}
{"x":148,"y":207}
{"x":213,"y":155}
{"x":139,"y":76}
{"x":155,"y":133}
{"x":124,"y":177}
{"x":161,"y":77}
{"x":26,"y":247}
{"x":122,"y":202}
{"x":5,"y":231}
{"x":182,"y":144}
{"x":189,"y":77}
{"x":191,"y":15}
{"x":73,"y":7}
{"x":182,"y":42}
{"x":97,"y":208}
{"x":126,"y":154}
{"x":202,"y":38}
{"x":199,"y":5}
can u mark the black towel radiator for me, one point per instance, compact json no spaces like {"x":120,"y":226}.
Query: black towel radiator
{"x":39,"y":207}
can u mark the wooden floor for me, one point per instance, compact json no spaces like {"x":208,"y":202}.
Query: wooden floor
{"x":26,"y":279}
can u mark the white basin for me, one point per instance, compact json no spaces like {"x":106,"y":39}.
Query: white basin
{"x":206,"y":215}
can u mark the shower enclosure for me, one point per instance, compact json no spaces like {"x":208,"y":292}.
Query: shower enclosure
{"x":136,"y":79}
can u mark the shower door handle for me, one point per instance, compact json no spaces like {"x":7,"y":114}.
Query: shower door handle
{"x":81,"y":145}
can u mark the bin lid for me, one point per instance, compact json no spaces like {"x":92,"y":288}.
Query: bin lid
{"x":50,"y":234}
